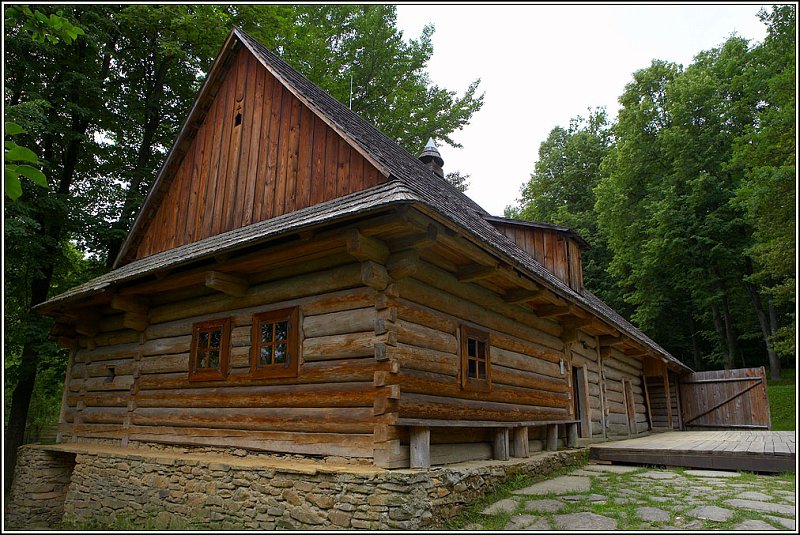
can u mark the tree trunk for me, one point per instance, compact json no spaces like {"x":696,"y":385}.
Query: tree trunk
{"x":143,"y":155}
{"x":696,"y":362}
{"x":720,"y":328}
{"x":21,"y":397}
{"x":40,"y":285}
{"x":731,"y":337}
{"x":766,"y":332}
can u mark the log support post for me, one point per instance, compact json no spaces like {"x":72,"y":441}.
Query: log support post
{"x":501,"y":444}
{"x":552,"y":437}
{"x":572,"y":435}
{"x":519,"y":444}
{"x":420,"y":446}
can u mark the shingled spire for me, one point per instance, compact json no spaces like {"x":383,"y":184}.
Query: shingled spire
{"x":431,"y":158}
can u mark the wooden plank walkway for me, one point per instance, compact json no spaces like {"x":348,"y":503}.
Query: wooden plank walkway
{"x":754,"y":451}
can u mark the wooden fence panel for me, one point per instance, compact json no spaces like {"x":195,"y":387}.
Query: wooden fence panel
{"x":725,"y":399}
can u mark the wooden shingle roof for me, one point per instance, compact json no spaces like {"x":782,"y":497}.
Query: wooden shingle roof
{"x":410,"y":181}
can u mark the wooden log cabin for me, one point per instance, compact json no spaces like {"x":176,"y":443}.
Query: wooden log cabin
{"x":296,"y":282}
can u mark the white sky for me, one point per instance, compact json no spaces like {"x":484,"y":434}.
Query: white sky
{"x":541,"y":65}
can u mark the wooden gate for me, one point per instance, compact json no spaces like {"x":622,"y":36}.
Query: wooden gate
{"x":725,"y":399}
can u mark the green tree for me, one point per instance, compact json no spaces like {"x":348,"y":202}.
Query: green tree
{"x":679,"y":243}
{"x":21,"y":161}
{"x":561,"y":191}
{"x":391,"y":88}
{"x":49,"y":90}
{"x":765,"y":152}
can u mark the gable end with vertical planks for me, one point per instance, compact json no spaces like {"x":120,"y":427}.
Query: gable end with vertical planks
{"x":258,"y":153}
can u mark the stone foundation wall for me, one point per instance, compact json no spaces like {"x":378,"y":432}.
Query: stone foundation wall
{"x":40,"y":486}
{"x":158,"y":490}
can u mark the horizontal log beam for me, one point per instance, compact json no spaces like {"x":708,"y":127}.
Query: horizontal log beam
{"x":552,"y":311}
{"x":476,"y":272}
{"x":403,"y":264}
{"x":519,"y":295}
{"x":611,"y":341}
{"x":136,"y":321}
{"x":226,"y":283}
{"x":416,"y":241}
{"x":88,"y":324}
{"x":374,"y":275}
{"x":130,"y":303}
{"x":365,"y":248}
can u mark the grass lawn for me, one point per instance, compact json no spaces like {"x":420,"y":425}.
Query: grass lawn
{"x":783,"y":401}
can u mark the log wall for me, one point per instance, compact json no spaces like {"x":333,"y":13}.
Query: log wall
{"x":526,"y":382}
{"x":131,"y":386}
{"x":616,"y":368}
{"x":258,"y":153}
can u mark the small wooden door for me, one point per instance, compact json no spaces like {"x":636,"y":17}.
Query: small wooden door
{"x":629,"y":406}
{"x":580,"y":400}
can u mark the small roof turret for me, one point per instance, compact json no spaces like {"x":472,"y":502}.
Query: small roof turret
{"x":431,"y":158}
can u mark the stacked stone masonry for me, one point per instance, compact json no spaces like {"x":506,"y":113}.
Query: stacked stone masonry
{"x":166,"y":489}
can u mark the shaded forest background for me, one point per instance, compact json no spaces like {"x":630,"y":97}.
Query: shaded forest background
{"x":687,"y":198}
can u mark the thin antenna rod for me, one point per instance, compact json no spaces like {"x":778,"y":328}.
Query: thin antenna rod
{"x":351,"y":91}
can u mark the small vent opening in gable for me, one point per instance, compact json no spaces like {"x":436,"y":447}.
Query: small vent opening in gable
{"x":238,"y":119}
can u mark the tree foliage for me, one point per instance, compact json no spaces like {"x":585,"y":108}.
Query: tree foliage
{"x":691,"y":199}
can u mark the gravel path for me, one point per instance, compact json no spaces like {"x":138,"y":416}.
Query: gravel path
{"x":614,"y":497}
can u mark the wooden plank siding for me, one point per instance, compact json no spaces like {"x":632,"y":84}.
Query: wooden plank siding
{"x":279,"y":158}
{"x":559,"y":254}
{"x":326,"y":410}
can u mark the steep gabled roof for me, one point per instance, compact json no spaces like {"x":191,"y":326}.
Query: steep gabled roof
{"x":416,"y":183}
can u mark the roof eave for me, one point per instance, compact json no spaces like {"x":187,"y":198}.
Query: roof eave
{"x":669,"y":359}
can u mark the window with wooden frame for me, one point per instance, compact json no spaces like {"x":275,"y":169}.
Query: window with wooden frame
{"x":274,"y":348}
{"x":211,"y":341}
{"x":476,"y":370}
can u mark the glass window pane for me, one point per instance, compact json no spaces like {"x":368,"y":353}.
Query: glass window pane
{"x":266,"y":356}
{"x":280,"y":354}
{"x":281,"y":330}
{"x":481,"y":370}
{"x":266,"y":332}
{"x":213,"y":359}
{"x":471,"y":369}
{"x":481,"y":349}
{"x":201,"y":360}
{"x":216,"y":337}
{"x":202,"y":340}
{"x":471,"y":347}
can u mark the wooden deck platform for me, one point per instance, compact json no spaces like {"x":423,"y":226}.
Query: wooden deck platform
{"x":755,"y":451}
